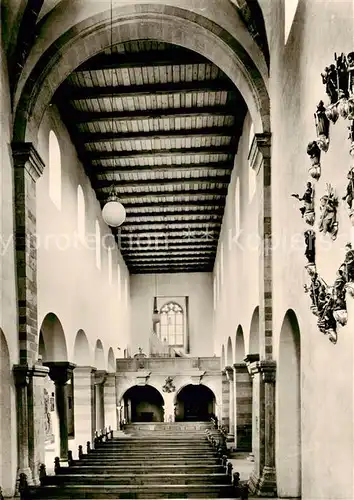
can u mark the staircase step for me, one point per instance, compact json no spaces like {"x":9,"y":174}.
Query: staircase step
{"x":143,"y":469}
{"x":141,"y":492}
{"x":136,"y":479}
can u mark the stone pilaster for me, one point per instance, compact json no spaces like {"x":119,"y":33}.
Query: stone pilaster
{"x":28,"y":167}
{"x":110,"y":407}
{"x":36,"y":425}
{"x":100,"y":379}
{"x":263,"y":478}
{"x":230,"y":377}
{"x":243,"y":390}
{"x":84,"y":408}
{"x":22,"y":377}
{"x":260,"y":161}
{"x":225,"y":400}
{"x":60,"y":372}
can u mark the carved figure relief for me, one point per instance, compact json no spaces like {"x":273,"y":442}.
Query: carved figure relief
{"x":310,"y":242}
{"x":322,"y":127}
{"x":169,"y":386}
{"x":47,"y":416}
{"x":314,"y":153}
{"x":308,"y":209}
{"x":328,"y":206}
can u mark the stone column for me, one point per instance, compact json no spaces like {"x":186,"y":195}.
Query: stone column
{"x":263,"y":479}
{"x":60,"y":372}
{"x":36,"y":426}
{"x":243,"y":395}
{"x":230,"y":377}
{"x":22,"y":379}
{"x":84,"y":408}
{"x":100,"y":379}
{"x":225,"y":398}
{"x":110,"y":407}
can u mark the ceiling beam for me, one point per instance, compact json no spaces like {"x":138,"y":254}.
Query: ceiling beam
{"x":164,"y":233}
{"x":158,"y":253}
{"x":90,"y":138}
{"x":180,"y":218}
{"x":165,"y":169}
{"x":75,"y":93}
{"x":123,"y":155}
{"x":174,"y":270}
{"x":190,"y":226}
{"x":101,"y":181}
{"x":142,"y":59}
{"x":197,"y":205}
{"x":169,"y":258}
{"x":237,"y":112}
{"x":182,"y":247}
{"x":186,"y":212}
{"x":183,"y":192}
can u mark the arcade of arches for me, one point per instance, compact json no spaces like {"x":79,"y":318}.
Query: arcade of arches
{"x":199,"y":113}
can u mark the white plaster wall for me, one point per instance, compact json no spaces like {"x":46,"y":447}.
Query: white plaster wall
{"x":238,"y":288}
{"x":320,"y":28}
{"x":69,"y":282}
{"x":197,"y":286}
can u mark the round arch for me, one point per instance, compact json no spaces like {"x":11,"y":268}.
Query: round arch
{"x":239,"y":346}
{"x":82,"y":355}
{"x":7,"y":410}
{"x":229,"y":353}
{"x":288,"y":408}
{"x":53,"y":343}
{"x":111,"y":364}
{"x":159,"y":22}
{"x":254,"y":340}
{"x":194,"y":402}
{"x":100,"y":362}
{"x":143,"y":403}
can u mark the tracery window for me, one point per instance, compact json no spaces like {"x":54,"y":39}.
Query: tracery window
{"x":171,"y":326}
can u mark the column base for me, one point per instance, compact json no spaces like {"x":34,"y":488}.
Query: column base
{"x":265,"y":485}
{"x":28,"y":472}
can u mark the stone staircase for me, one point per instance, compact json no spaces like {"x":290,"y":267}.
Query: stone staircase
{"x":148,"y":460}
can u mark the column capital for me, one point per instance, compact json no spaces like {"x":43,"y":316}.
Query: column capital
{"x":22,"y":375}
{"x":60,"y":371}
{"x":100,"y":377}
{"x":229,"y":373}
{"x":84,"y":370}
{"x":40,"y":371}
{"x":266,"y":368}
{"x":251,"y":361}
{"x":259,"y":151}
{"x":26,"y":156}
{"x":238,"y":367}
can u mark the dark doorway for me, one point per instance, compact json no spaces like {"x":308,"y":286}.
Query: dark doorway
{"x":195,"y":403}
{"x":143,"y":404}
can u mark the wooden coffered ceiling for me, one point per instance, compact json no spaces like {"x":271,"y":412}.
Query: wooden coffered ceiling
{"x":161,"y":123}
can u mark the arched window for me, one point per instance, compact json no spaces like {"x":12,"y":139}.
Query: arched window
{"x":221,"y":264}
{"x":290,"y":11}
{"x":237,"y":208}
{"x":252,"y":178}
{"x":214,"y":292}
{"x":110,"y":280}
{"x":119,"y":282}
{"x":98,"y":245}
{"x":171,"y":326}
{"x":126,"y":291}
{"x":80,"y":213}
{"x":54,"y":170}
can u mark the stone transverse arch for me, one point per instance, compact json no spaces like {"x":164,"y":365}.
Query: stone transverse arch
{"x":161,"y":21}
{"x":53,"y":335}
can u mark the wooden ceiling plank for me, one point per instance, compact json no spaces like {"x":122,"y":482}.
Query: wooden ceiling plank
{"x":102,"y":181}
{"x":118,"y":155}
{"x":226,"y":166}
{"x":76,"y":93}
{"x":170,"y":113}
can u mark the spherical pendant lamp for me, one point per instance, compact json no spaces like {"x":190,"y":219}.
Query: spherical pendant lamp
{"x":113,"y":212}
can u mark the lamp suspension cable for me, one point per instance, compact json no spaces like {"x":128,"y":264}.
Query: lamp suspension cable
{"x":113,"y":212}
